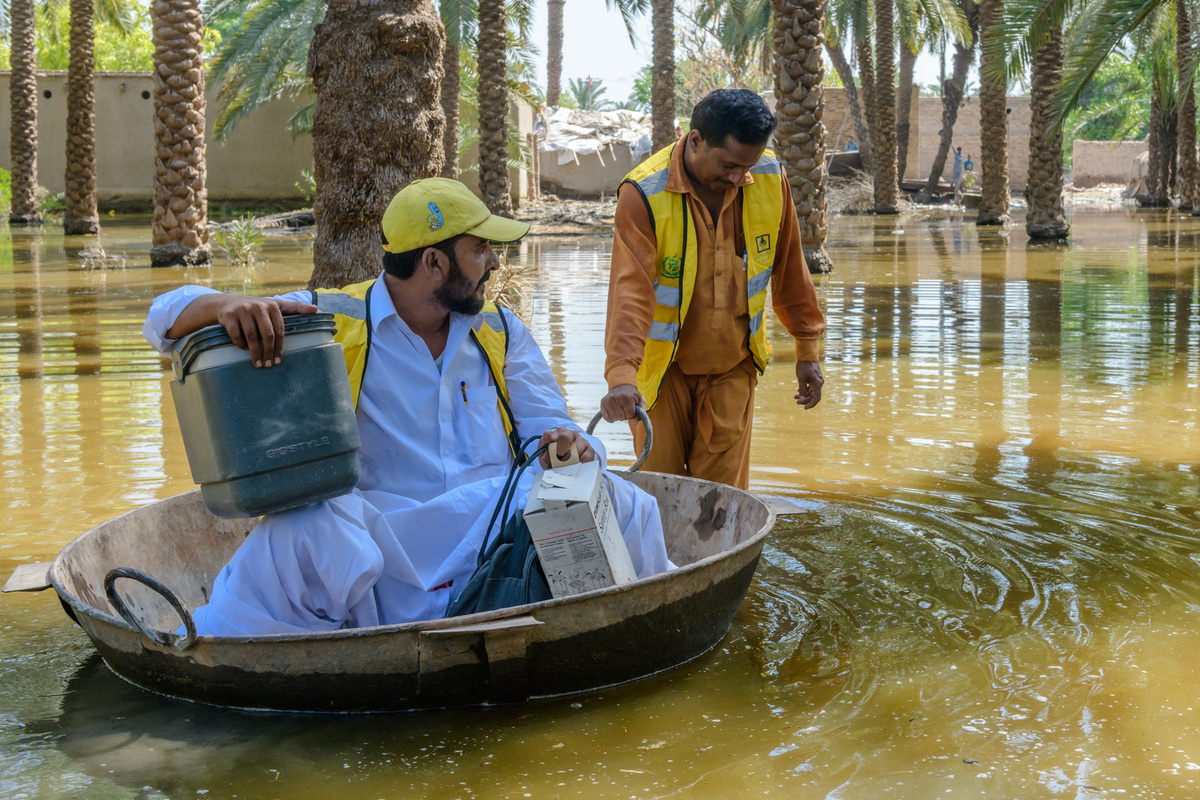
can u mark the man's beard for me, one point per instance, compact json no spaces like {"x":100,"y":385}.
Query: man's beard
{"x":458,"y":294}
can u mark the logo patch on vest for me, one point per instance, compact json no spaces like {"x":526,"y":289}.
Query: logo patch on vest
{"x":435,"y":218}
{"x":670,"y":266}
{"x":763,"y":243}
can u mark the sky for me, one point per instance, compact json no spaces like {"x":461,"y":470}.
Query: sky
{"x":595,"y":43}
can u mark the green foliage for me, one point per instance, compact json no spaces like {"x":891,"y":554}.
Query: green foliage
{"x":519,"y":155}
{"x":239,"y":241}
{"x":307,"y":185}
{"x":263,"y":56}
{"x":1114,"y":105}
{"x":115,"y":49}
{"x":123,"y":38}
{"x":639,"y":98}
{"x":587,"y":94}
{"x":51,"y":204}
{"x":5,"y":193}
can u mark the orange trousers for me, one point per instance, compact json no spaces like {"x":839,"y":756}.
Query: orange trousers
{"x":702,"y":425}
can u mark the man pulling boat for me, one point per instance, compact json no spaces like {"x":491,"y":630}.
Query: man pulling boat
{"x":445,"y":387}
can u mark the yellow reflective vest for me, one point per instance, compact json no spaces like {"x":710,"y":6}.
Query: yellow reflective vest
{"x":675,"y":231}
{"x":351,"y":309}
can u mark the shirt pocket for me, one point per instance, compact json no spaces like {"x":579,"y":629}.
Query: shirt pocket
{"x":481,"y":430}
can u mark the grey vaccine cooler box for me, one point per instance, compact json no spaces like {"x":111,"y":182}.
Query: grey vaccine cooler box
{"x":264,"y":440}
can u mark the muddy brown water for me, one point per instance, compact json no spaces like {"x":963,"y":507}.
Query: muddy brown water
{"x":990,"y":589}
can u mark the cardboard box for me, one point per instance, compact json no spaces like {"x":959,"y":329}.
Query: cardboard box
{"x":573,"y":525}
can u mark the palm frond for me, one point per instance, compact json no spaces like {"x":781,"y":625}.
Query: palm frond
{"x":630,"y":11}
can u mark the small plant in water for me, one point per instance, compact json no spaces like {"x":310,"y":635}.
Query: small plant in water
{"x":95,"y":257}
{"x":307,"y":185}
{"x":51,"y":204}
{"x":239,"y":241}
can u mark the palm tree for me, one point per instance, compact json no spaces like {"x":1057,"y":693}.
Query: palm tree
{"x":993,"y":122}
{"x":459,"y":19}
{"x":554,"y":52}
{"x":23,"y":132}
{"x":588,"y":94}
{"x":377,"y":125}
{"x":491,"y":44}
{"x":82,"y":215}
{"x":1043,"y":188}
{"x":800,"y":138}
{"x":886,"y":185}
{"x":180,"y":195}
{"x":1185,"y":59}
{"x":262,"y":57}
{"x":1156,"y":44}
{"x":908,"y":64}
{"x":846,"y":75}
{"x":851,"y":24}
{"x":662,"y":103}
{"x":952,"y":94}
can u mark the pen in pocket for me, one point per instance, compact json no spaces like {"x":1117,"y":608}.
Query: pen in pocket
{"x":462,"y":387}
{"x":744,"y":254}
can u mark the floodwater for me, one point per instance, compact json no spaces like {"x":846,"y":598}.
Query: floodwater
{"x":990,"y":589}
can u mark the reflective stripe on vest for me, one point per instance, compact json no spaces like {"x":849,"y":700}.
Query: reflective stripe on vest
{"x":351,"y":309}
{"x":762,"y":211}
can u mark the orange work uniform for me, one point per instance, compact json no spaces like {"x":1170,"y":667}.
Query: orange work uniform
{"x":705,"y":409}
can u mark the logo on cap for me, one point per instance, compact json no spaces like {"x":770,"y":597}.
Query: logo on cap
{"x":435,"y":218}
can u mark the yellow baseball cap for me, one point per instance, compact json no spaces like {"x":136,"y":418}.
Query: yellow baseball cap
{"x":435,"y":209}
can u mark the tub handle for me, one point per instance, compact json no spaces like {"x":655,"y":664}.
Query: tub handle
{"x":645,"y":418}
{"x":158,"y":637}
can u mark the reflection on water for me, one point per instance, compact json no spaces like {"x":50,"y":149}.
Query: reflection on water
{"x":990,"y":590}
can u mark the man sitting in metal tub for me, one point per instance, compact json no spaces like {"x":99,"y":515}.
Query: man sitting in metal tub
{"x":451,"y":386}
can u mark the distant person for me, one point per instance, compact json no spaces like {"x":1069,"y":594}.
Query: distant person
{"x":968,"y":177}
{"x":703,"y":229}
{"x":958,"y":167}
{"x":851,"y":145}
{"x":678,"y":130}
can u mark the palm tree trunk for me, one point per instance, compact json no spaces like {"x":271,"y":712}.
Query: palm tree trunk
{"x":82,"y":215}
{"x":1154,"y":155}
{"x":662,"y":90}
{"x":376,"y":66}
{"x":861,"y":130}
{"x":800,"y":138}
{"x":993,"y":127}
{"x":952,"y":94}
{"x":554,"y":46}
{"x":1161,"y":152}
{"x":450,"y":90}
{"x":887,"y":190}
{"x":1043,"y":190}
{"x":866,"y":74}
{"x":1187,"y":109}
{"x":908,"y":64}
{"x":492,"y":44}
{"x":180,"y":196}
{"x":23,"y":97}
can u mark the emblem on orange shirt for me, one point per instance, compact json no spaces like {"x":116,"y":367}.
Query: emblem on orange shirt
{"x":670,"y":266}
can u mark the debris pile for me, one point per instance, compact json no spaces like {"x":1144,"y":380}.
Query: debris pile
{"x":571,"y":133}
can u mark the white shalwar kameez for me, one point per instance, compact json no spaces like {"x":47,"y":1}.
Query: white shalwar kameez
{"x":403,"y":543}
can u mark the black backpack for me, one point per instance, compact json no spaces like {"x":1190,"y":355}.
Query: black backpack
{"x":508,"y":571}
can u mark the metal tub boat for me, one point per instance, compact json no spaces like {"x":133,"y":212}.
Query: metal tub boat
{"x":714,"y":533}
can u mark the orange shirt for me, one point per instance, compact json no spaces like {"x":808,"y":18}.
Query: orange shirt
{"x":716,"y":331}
